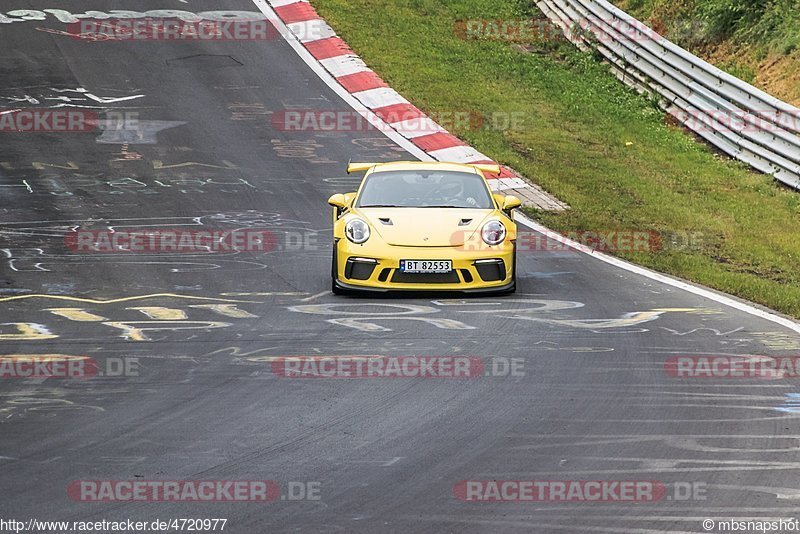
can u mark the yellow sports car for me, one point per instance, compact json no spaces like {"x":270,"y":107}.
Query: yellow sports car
{"x":421,"y":226}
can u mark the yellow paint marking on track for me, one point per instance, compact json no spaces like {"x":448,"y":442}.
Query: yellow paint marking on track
{"x":40,"y":166}
{"x":114,"y":301}
{"x":135,"y":330}
{"x":228,"y":310}
{"x":313,"y":297}
{"x":27,"y":332}
{"x":162,"y":314}
{"x":698,"y":311}
{"x":778,"y":340}
{"x":77,"y":314}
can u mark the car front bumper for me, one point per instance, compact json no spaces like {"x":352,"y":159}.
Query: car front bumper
{"x":360,"y":267}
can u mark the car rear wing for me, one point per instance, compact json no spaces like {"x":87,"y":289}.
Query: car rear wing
{"x":359,"y":167}
{"x":489,"y":168}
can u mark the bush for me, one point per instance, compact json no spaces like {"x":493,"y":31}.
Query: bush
{"x":770,"y":25}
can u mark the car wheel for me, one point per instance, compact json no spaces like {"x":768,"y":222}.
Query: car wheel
{"x":513,"y":288}
{"x":335,"y":289}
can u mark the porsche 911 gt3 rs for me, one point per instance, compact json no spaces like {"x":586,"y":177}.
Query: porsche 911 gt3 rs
{"x":422,"y":226}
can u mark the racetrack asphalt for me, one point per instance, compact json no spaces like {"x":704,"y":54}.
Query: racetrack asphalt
{"x":594,"y":401}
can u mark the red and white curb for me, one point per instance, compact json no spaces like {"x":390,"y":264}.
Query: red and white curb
{"x":397,"y":113}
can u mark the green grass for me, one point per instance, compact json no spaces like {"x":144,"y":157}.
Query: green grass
{"x":769,"y":26}
{"x":588,"y":140}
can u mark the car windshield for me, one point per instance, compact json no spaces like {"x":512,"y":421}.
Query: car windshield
{"x":425,"y":189}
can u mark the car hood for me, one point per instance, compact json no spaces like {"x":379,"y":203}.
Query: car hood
{"x":425,"y":227}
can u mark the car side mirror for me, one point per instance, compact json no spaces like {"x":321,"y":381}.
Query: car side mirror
{"x":338,"y":201}
{"x":511,"y":202}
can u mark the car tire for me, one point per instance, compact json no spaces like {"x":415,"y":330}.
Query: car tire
{"x":335,"y":289}
{"x":513,"y":288}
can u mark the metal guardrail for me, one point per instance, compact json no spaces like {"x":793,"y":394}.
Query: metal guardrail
{"x":737,"y":118}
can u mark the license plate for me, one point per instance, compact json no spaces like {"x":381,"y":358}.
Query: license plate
{"x":426,"y":266}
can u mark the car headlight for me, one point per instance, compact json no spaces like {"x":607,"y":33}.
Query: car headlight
{"x":357,"y":231}
{"x":493,"y":233}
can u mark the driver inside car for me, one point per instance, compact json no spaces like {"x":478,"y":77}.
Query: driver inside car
{"x":452,"y":192}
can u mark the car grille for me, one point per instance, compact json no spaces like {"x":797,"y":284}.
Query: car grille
{"x":425,"y":278}
{"x":491,"y":272}
{"x":358,"y":270}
